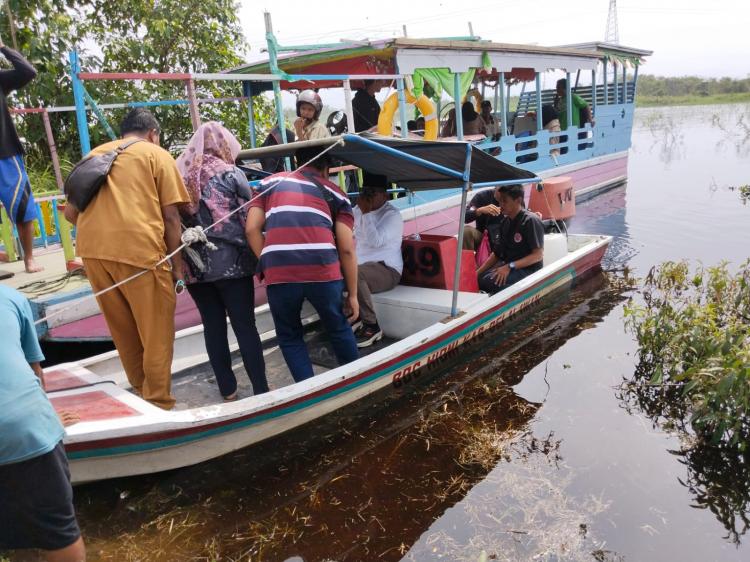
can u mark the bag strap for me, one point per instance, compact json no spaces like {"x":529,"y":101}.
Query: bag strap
{"x":120,"y":149}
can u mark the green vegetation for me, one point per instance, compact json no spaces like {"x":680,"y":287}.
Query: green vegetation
{"x":690,"y":90}
{"x":126,"y":36}
{"x":693,"y":378}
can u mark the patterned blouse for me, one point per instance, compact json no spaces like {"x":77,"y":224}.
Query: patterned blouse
{"x":233,"y":258}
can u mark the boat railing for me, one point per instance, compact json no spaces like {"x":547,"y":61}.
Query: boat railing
{"x":50,"y":228}
{"x":614,"y":95}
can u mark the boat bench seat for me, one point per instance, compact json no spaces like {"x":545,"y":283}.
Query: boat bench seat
{"x":404,"y":310}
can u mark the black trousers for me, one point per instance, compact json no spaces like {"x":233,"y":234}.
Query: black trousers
{"x":234,"y":297}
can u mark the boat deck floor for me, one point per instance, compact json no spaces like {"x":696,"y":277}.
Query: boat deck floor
{"x":198,"y":387}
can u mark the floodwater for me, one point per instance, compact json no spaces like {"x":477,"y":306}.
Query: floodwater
{"x":527,"y":449}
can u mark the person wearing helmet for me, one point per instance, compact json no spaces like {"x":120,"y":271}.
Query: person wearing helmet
{"x":307,"y":126}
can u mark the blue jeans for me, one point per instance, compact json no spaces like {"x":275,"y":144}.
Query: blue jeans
{"x":285,"y":301}
{"x":488,"y":285}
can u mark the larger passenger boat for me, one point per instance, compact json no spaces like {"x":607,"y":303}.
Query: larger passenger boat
{"x":429,"y":73}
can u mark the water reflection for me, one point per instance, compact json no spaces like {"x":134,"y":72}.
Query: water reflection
{"x":718,"y":474}
{"x":725,"y":128}
{"x":371,"y":482}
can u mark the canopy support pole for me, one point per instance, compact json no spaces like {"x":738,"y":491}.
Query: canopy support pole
{"x":80,"y":102}
{"x":624,"y":84}
{"x":460,"y":247}
{"x":457,"y":105}
{"x":402,"y":107}
{"x":538,"y":78}
{"x":606,"y":85}
{"x":273,"y":63}
{"x":348,"y":106}
{"x":195,"y":116}
{"x":503,"y":107}
{"x":593,"y":93}
{"x":247,"y":91}
{"x":568,"y":104}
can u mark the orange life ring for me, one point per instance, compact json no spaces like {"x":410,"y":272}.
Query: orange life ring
{"x":423,"y":103}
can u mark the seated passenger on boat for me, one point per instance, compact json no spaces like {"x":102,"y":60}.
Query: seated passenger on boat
{"x":551,"y":123}
{"x":378,"y":230}
{"x":492,"y":125}
{"x":581,"y":113}
{"x":472,"y":122}
{"x":517,"y":243}
{"x":307,"y":126}
{"x":220,"y":278}
{"x":130,"y":226}
{"x":483,"y":209}
{"x":307,"y":254}
{"x":365,"y":107}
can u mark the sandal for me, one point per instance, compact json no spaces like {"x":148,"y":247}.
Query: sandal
{"x":231,"y":398}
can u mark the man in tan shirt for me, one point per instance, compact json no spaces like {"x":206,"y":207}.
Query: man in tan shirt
{"x":130,"y":225}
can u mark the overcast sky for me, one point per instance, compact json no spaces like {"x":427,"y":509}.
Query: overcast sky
{"x":705,"y":38}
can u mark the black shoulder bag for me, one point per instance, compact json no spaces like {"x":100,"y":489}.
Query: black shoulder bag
{"x":88,"y":176}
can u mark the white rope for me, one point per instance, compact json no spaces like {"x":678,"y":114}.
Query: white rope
{"x":191,"y":236}
{"x":197,"y":234}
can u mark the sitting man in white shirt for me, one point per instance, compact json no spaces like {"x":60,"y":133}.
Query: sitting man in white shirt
{"x":378,"y":230}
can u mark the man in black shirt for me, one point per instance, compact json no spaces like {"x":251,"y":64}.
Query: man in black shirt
{"x":15,"y":189}
{"x":365,"y":107}
{"x":484,"y":208}
{"x":517,"y":244}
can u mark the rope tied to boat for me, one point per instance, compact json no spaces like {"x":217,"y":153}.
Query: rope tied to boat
{"x":192,"y":235}
{"x":184,"y":244}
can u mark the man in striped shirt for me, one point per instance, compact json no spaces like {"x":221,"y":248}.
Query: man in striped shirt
{"x":307,"y":253}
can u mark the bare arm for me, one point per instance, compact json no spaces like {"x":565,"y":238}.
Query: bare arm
{"x":536,"y":255}
{"x":256,"y":218}
{"x":172,"y":235}
{"x":348,"y":259}
{"x":70,"y":213}
{"x":488,"y":263}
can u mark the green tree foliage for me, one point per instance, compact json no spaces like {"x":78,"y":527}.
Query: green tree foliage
{"x":673,"y":86}
{"x":128,"y":36}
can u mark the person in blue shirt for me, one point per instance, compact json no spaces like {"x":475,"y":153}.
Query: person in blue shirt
{"x":35,"y":491}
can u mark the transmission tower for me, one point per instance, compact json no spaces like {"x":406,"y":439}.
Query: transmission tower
{"x":612,"y":34}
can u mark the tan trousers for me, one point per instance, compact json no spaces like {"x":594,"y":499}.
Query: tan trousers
{"x":472,"y":238}
{"x":140,"y":316}
{"x":373,"y":277}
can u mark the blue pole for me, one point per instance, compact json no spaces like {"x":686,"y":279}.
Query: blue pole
{"x":606,"y":85}
{"x":615,"y":89}
{"x":457,"y":105}
{"x":402,"y":107}
{"x":539,"y":126}
{"x":247,"y":91}
{"x":568,"y":102}
{"x":459,"y":249}
{"x":504,"y":106}
{"x":624,"y":84}
{"x":403,"y":156}
{"x":81,"y":120}
{"x":593,"y":93}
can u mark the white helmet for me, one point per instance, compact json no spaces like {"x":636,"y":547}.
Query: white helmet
{"x":311,"y":97}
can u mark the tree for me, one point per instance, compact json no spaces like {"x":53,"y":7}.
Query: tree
{"x":128,"y":36}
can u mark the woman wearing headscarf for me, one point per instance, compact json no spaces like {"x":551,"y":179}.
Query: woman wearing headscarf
{"x":220,"y":280}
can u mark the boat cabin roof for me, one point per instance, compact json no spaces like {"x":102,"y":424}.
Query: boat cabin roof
{"x":405,"y":55}
{"x":412,"y":164}
{"x":612,"y":51}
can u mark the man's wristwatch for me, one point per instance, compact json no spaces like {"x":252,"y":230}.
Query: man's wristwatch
{"x":512,"y":265}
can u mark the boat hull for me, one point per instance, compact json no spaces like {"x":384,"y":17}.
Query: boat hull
{"x":185,"y":438}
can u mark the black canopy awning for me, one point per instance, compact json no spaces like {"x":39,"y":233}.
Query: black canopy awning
{"x":412,"y":164}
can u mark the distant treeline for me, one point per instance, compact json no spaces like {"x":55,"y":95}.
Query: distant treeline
{"x":667,"y":86}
